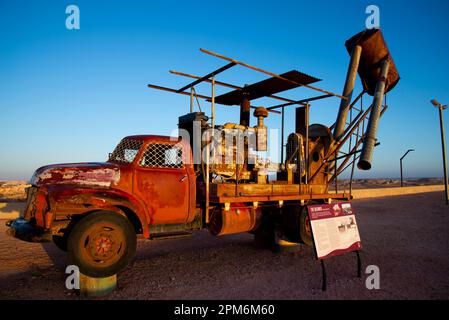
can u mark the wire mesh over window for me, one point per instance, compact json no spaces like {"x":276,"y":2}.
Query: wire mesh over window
{"x":162,"y":155}
{"x":126,"y":151}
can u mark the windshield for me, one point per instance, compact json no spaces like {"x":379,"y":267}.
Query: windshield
{"x":126,"y":151}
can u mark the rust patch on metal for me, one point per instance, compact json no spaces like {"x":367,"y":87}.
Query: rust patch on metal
{"x":86,"y":174}
{"x":66,"y":200}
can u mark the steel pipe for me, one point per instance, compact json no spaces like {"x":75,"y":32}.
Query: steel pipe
{"x":269,"y":73}
{"x":153,"y":86}
{"x":371,"y":131}
{"x":347,"y":92}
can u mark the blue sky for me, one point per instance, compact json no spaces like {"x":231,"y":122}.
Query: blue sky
{"x":70,"y":95}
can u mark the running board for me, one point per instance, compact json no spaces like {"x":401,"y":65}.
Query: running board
{"x":170,"y":235}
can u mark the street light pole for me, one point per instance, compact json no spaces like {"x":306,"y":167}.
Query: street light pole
{"x":402,"y":180}
{"x":443,"y":145}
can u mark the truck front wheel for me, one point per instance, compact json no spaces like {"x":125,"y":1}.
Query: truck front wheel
{"x":101,"y":244}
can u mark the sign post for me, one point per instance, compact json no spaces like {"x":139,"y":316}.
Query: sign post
{"x":334,"y":232}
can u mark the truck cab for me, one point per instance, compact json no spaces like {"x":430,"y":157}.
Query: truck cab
{"x":158,"y":172}
{"x":148,"y":183}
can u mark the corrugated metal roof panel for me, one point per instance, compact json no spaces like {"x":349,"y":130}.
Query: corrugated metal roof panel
{"x":266,"y":87}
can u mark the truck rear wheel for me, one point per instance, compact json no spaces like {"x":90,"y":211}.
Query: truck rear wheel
{"x":305,"y":231}
{"x":101,"y":244}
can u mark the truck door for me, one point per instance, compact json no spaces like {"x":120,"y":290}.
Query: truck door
{"x":162,"y":182}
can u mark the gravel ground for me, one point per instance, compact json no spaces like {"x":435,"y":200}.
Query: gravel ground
{"x":407,"y":237}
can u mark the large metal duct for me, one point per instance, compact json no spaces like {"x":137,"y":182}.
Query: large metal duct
{"x":370,"y":136}
{"x":379,"y":75}
{"x":347,"y":92}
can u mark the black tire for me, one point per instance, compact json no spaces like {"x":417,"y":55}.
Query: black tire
{"x":102,"y":244}
{"x":304,"y":228}
{"x":60,"y":242}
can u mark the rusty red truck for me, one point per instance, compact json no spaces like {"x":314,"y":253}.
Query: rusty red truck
{"x":163,"y":187}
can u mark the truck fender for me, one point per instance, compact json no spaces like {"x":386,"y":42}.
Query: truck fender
{"x":82,"y":200}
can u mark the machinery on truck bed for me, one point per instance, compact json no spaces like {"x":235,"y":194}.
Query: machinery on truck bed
{"x":164,"y":187}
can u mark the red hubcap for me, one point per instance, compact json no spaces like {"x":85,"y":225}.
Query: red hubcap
{"x":103,"y":245}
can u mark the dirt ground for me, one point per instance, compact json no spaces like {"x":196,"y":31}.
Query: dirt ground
{"x":407,"y":237}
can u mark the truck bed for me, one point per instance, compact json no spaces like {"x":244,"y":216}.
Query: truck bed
{"x":276,"y":191}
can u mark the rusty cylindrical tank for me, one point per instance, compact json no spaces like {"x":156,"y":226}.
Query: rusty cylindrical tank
{"x":238,"y":218}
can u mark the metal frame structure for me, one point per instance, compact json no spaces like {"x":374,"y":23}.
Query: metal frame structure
{"x":210,"y":78}
{"x":354,"y":132}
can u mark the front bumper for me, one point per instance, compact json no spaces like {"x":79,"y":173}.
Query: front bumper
{"x":26,"y":231}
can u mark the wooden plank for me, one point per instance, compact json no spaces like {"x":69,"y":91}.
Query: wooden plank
{"x":286,"y":189}
{"x":245,"y":190}
{"x":339,"y":196}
